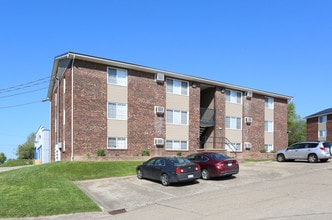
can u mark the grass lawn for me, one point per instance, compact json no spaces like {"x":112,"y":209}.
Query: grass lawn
{"x":47,"y":189}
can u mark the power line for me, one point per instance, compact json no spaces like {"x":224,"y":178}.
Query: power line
{"x":18,"y":105}
{"x":21,"y":93}
{"x":25,"y":85}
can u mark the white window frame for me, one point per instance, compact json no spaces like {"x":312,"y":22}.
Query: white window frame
{"x":234,"y":123}
{"x":233,"y":96}
{"x":269,"y":103}
{"x":268,"y":147}
{"x":322,"y":133}
{"x":121,"y":76}
{"x":120,"y":143}
{"x":178,"y":87}
{"x":177,"y":117}
{"x":177,"y":145}
{"x":322,"y":119}
{"x":238,"y":147}
{"x":269,"y":126}
{"x":120,"y":114}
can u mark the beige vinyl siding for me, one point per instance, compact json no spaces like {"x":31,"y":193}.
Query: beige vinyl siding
{"x":117,"y":94}
{"x":177,"y":102}
{"x":234,"y":110}
{"x":269,"y":116}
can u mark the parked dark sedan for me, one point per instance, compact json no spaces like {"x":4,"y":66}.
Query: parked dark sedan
{"x":169,"y":170}
{"x":215,"y":164}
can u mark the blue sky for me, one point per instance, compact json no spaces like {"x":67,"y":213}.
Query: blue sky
{"x":281,"y":46}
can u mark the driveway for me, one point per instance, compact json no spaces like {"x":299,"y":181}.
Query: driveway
{"x":265,"y":190}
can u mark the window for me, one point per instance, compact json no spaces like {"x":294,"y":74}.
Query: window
{"x":268,"y":147}
{"x":269,"y":103}
{"x":322,"y":133}
{"x":233,"y":97}
{"x":233,"y":147}
{"x":268,"y":126}
{"x":322,"y":119}
{"x":176,"y":117}
{"x":117,"y":76}
{"x":117,"y":143}
{"x":117,"y":111}
{"x":177,"y":87}
{"x":176,"y":145}
{"x":233,"y":123}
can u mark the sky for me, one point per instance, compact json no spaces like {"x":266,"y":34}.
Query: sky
{"x":279,"y":46}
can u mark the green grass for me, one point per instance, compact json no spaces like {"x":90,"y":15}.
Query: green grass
{"x":47,"y":189}
{"x":14,"y":163}
{"x":259,"y":160}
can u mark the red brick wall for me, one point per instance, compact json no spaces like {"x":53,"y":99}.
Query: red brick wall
{"x":329,"y":128}
{"x":143,"y":124}
{"x":194,"y":117}
{"x":312,"y":129}
{"x":280,"y":124}
{"x":90,"y":108}
{"x":254,"y":133}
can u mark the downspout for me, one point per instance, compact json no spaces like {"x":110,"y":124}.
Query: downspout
{"x":72,"y":109}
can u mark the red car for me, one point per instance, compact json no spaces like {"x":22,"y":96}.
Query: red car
{"x":215,"y":164}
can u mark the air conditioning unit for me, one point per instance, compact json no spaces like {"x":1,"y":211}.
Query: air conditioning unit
{"x":248,"y":120}
{"x":159,"y":141}
{"x":159,"y":109}
{"x":160,"y":77}
{"x":249,"y":94}
{"x":247,"y":145}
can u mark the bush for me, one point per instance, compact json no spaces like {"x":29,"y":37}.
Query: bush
{"x":145,"y":153}
{"x":179,"y":154}
{"x":101,"y":152}
{"x":262,"y":150}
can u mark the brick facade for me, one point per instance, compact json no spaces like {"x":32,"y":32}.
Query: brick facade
{"x":88,"y":133}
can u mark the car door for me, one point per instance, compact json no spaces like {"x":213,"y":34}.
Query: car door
{"x":292,"y":151}
{"x":149,"y":168}
{"x":303,"y":150}
{"x":157,"y":168}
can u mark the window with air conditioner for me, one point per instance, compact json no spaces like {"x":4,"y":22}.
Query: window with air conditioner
{"x":159,"y":141}
{"x":159,"y":109}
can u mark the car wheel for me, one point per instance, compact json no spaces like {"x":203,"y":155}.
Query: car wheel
{"x":280,"y":158}
{"x":139,"y":174}
{"x":312,"y":158}
{"x":205,"y":174}
{"x":164,"y":179}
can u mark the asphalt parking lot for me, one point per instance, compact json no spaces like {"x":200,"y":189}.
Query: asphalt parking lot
{"x":261,"y":190}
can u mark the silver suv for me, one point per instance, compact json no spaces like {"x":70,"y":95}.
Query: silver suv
{"x":311,"y":151}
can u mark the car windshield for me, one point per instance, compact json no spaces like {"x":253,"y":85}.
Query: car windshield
{"x":219,"y":157}
{"x":179,"y":160}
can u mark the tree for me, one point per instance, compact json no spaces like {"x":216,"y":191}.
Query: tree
{"x":3,"y":158}
{"x":296,"y":126}
{"x":26,"y":150}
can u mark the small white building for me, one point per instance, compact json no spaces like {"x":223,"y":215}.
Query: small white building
{"x":42,"y":146}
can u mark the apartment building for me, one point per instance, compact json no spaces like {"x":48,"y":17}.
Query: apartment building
{"x":319,"y":126}
{"x":125,"y":109}
{"x":42,"y":152}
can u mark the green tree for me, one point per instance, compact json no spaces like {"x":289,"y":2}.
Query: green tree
{"x":3,"y":158}
{"x":26,"y":150}
{"x":296,"y":126}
